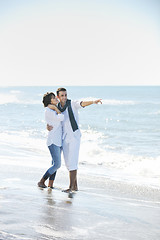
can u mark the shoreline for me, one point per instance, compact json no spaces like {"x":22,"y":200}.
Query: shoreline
{"x":102,"y":207}
{"x":91,"y":172}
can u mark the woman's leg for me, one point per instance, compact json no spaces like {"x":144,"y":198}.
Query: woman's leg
{"x":51,"y":180}
{"x":56,"y":161}
{"x":41,"y":183}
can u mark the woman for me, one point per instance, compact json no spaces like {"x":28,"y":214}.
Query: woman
{"x":54,"y":140}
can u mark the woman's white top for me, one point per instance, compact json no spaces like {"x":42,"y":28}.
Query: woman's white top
{"x":54,"y":120}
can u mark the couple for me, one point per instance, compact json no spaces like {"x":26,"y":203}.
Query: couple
{"x":61,"y":115}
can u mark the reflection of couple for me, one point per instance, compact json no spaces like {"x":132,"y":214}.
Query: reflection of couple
{"x":64,"y":133}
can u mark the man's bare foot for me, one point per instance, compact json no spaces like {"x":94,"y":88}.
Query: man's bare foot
{"x":75,"y":187}
{"x":41,"y":184}
{"x":67,"y":190}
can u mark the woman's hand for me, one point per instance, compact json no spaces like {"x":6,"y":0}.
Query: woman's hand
{"x":49,"y":128}
{"x":53,"y":107}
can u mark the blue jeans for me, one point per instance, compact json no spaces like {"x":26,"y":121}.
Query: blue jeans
{"x":56,"y":162}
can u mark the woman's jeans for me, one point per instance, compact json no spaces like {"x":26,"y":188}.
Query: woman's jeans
{"x":56,"y":162}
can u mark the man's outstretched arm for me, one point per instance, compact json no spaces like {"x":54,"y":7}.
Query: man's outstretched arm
{"x":87,"y":103}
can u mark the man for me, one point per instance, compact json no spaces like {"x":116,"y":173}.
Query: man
{"x":71,"y":133}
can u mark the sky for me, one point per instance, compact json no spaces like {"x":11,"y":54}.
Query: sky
{"x":79,"y":42}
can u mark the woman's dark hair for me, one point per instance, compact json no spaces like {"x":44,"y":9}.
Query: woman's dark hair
{"x":47,"y":98}
{"x":60,"y":89}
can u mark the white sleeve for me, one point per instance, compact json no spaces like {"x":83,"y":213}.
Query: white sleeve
{"x":76,"y":104}
{"x":52,"y":116}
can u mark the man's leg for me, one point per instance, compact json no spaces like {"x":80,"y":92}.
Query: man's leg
{"x":76,"y":185}
{"x":71,"y":155}
{"x":73,"y":181}
{"x":73,"y":178}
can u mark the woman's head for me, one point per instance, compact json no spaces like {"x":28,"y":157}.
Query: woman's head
{"x":49,"y":98}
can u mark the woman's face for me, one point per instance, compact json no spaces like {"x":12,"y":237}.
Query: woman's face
{"x":54,"y":100}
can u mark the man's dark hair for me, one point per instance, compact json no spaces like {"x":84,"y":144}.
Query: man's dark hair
{"x":60,"y":89}
{"x":47,"y":98}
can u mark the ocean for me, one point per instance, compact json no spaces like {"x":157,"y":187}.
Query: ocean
{"x":120,"y":138}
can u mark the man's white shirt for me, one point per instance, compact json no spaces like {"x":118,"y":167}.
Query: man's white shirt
{"x":68,"y":134}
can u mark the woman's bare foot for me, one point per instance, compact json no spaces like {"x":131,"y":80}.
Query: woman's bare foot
{"x":51,"y":187}
{"x":50,"y":184}
{"x":41,"y":183}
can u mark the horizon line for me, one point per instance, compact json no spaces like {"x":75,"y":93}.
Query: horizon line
{"x":80,"y":86}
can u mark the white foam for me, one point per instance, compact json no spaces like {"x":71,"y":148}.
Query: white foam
{"x":47,"y":230}
{"x":6,"y":235}
{"x":31,"y":102}
{"x":13,"y":97}
{"x":117,"y":102}
{"x":129,"y":167}
{"x":156,"y":113}
{"x":92,"y":152}
{"x":110,"y":101}
{"x":15,"y":91}
{"x":22,"y":149}
{"x":8,"y":98}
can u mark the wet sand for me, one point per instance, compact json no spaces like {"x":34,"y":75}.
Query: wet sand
{"x":101,"y":209}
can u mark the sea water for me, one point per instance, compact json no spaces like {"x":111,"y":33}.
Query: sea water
{"x":120,"y":137}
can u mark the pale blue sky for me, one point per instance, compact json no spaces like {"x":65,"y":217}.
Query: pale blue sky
{"x":63,"y":42}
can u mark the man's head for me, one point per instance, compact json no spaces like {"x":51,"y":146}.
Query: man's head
{"x":62,"y":95}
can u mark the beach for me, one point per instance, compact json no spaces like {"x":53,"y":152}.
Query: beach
{"x":106,"y":55}
{"x":101,"y":209}
{"x":118,"y":175}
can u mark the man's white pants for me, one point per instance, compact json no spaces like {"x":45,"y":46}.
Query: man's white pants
{"x":71,"y":153}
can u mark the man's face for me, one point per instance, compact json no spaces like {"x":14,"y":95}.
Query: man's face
{"x":62,"y":96}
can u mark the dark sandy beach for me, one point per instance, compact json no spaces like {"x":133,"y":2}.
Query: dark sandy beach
{"x":101,"y":209}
